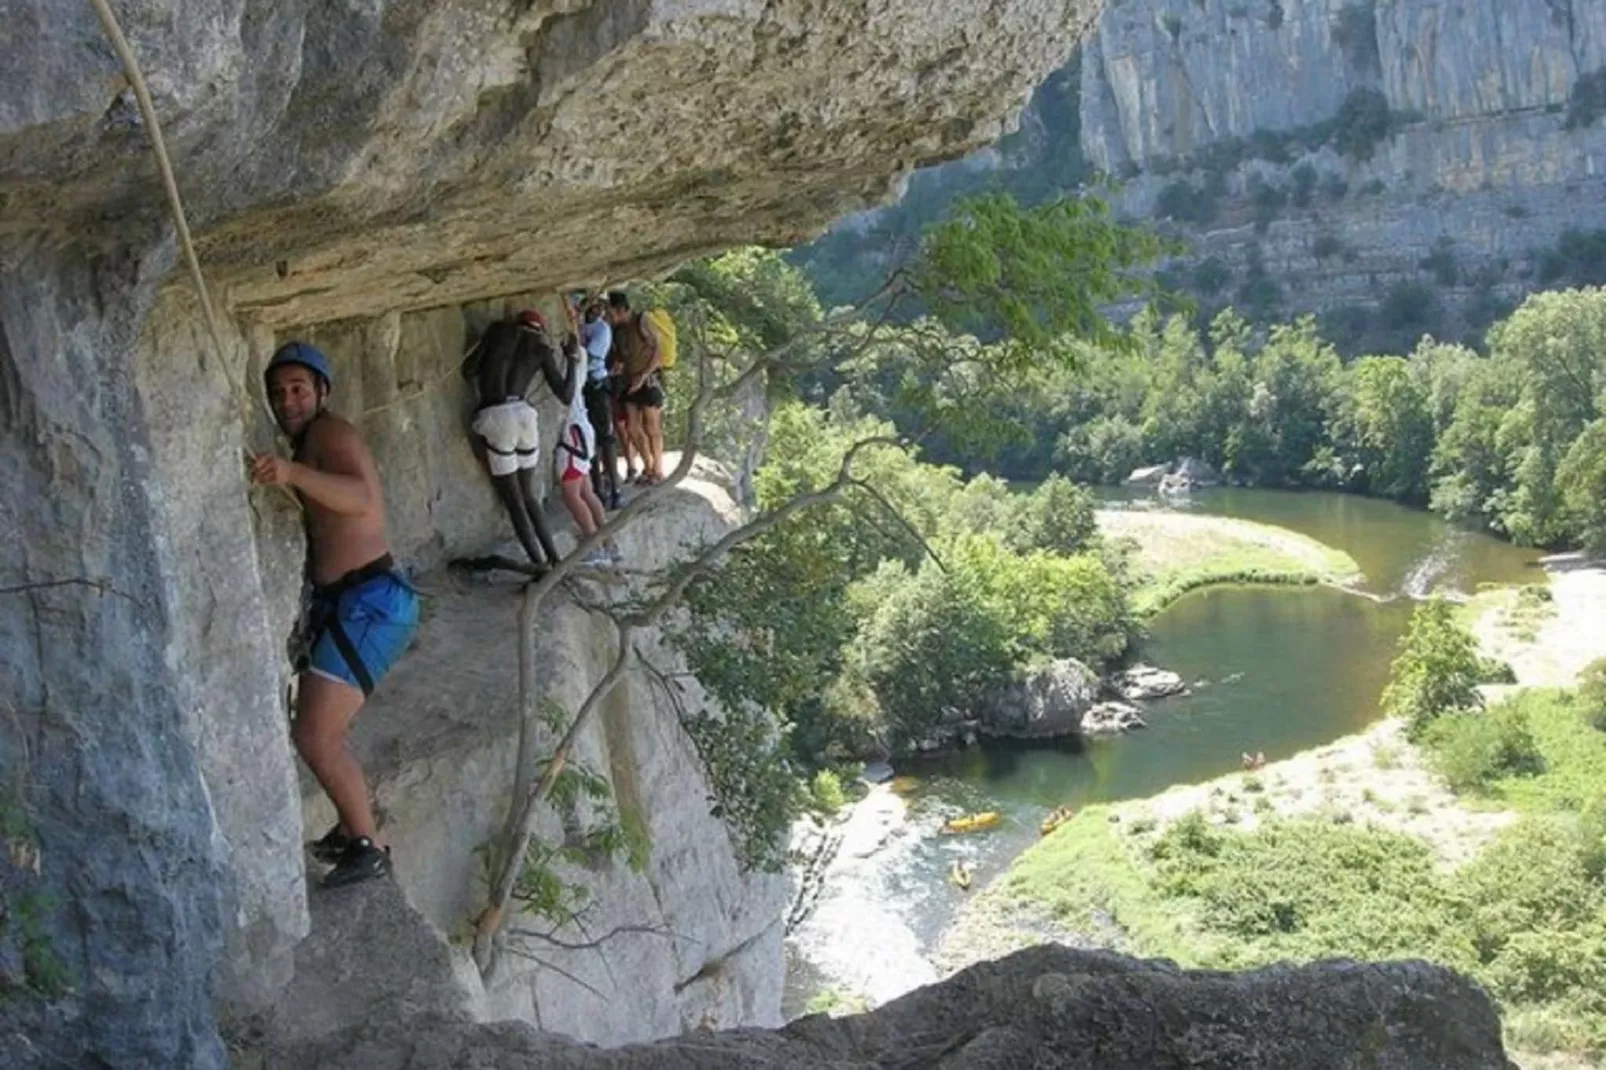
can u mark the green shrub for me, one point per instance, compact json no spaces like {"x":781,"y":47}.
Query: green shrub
{"x":1267,"y":202}
{"x":1363,"y":122}
{"x":1441,"y":262}
{"x":1304,"y":184}
{"x":940,"y":644}
{"x":1588,"y":100}
{"x":1473,"y":750}
{"x":1592,"y":693}
{"x":825,"y":792}
{"x":1437,"y":670}
{"x":1210,"y":275}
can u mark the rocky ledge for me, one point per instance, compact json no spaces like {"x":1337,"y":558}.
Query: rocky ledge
{"x":1045,"y":1006}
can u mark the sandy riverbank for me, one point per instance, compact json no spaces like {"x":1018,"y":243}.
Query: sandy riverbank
{"x":1546,"y":644}
{"x":1177,"y":552}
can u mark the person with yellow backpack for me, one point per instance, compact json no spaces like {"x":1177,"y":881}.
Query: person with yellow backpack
{"x":646,"y":341}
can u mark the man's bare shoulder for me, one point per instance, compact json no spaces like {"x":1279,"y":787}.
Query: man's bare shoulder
{"x":334,"y":436}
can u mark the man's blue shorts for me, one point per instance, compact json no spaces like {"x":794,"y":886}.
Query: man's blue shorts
{"x":357,"y":631}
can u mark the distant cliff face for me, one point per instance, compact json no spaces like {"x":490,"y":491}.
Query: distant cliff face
{"x":1399,"y":166}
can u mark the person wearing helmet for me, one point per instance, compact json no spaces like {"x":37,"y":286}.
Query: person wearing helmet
{"x":503,"y":367}
{"x":361,"y":613}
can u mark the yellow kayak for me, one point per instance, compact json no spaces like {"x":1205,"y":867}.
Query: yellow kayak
{"x":1057,"y":817}
{"x":960,"y":875}
{"x":971,"y":822}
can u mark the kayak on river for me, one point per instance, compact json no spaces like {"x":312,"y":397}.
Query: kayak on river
{"x":1056,"y":817}
{"x":970,"y":822}
{"x":960,"y":874}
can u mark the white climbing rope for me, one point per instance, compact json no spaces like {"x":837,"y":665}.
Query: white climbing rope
{"x":175,"y":204}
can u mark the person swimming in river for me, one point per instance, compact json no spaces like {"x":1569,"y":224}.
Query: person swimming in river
{"x":503,"y":366}
{"x":359,"y":614}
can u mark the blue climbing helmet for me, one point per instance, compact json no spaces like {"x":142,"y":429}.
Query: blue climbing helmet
{"x":309,"y":357}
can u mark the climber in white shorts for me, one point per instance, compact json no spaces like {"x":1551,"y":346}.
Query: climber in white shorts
{"x":503,"y":366}
{"x":512,"y":434}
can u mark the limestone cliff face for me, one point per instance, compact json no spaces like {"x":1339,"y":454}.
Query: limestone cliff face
{"x":1487,"y":165}
{"x":1165,"y":78}
{"x":360,"y":173}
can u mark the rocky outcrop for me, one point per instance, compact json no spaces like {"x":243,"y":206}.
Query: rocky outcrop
{"x":357,"y":174}
{"x":1050,"y":701}
{"x":1142,"y":682}
{"x":1046,"y":1006}
{"x":1112,"y":718}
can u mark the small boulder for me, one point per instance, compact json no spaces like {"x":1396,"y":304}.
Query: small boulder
{"x":1146,"y":682}
{"x":1149,"y":476}
{"x":1196,"y":472}
{"x":1049,"y":702}
{"x":1112,"y":718}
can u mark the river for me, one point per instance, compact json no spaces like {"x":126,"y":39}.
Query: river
{"x":1271,"y":669}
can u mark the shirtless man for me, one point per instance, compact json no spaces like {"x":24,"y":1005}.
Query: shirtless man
{"x":503,"y":366}
{"x":362,"y":613}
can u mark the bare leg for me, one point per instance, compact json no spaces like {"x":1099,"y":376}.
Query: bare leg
{"x":575,"y":493}
{"x":652,"y":420}
{"x":593,"y":504}
{"x":532,"y":510}
{"x":625,"y":434}
{"x":324,"y":710}
{"x":638,"y":438}
{"x":605,"y":471}
{"x":535,"y":545}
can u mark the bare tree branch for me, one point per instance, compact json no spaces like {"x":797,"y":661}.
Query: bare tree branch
{"x":520,"y":828}
{"x":597,"y":942}
{"x":892,"y":511}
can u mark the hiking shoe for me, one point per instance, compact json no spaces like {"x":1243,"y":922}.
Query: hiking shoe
{"x":330,"y":847}
{"x":613,"y":499}
{"x":360,"y":861}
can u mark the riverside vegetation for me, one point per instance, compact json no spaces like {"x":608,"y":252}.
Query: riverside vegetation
{"x":1242,"y":883}
{"x":928,"y":585}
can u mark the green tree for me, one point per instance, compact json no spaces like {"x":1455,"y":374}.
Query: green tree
{"x":1388,"y":427}
{"x":940,"y":642}
{"x":1581,"y":479}
{"x":1437,"y":670}
{"x":1057,"y":516}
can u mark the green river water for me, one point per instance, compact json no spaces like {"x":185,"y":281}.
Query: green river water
{"x":1271,"y":669}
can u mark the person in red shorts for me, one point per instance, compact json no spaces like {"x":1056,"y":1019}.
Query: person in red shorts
{"x":575,"y":455}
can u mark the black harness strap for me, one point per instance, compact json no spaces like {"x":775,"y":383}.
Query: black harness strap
{"x":328,"y":597}
{"x":348,"y":650}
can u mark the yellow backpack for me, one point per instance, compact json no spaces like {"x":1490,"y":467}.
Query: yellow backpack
{"x":663,"y":328}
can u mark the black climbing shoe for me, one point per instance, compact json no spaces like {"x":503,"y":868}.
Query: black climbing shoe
{"x":331,"y":847}
{"x":360,"y":861}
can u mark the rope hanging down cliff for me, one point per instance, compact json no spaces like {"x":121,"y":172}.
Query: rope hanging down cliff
{"x":147,"y":111}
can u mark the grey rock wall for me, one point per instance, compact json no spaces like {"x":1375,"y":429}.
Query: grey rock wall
{"x":98,"y":732}
{"x":343,"y":164}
